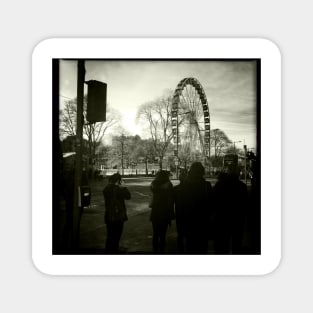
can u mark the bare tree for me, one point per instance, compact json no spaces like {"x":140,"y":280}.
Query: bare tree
{"x":94,"y":133}
{"x":234,"y":150}
{"x":156,"y":117}
{"x":219,"y":141}
{"x":67,"y":119}
{"x":120,"y":144}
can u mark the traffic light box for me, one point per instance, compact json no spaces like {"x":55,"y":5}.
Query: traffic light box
{"x":96,"y":101}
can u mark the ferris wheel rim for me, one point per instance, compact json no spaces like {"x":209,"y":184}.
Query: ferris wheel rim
{"x":205,"y":139}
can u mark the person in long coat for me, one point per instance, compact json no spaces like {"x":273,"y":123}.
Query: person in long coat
{"x":196,"y":195}
{"x":115,"y":212}
{"x":231,"y":198}
{"x":162,"y":209}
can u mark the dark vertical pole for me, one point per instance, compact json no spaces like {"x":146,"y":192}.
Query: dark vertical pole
{"x":57,"y":158}
{"x":245,"y":148}
{"x":122,"y":143}
{"x":79,"y":150}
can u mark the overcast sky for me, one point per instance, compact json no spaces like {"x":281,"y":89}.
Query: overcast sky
{"x":229,"y":86}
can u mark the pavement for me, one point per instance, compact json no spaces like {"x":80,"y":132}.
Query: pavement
{"x":137,"y":234}
{"x":136,"y":237}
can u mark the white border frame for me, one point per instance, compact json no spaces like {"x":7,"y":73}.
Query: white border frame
{"x":149,"y":264}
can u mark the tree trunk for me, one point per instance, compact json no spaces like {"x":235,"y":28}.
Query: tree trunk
{"x":161,"y":163}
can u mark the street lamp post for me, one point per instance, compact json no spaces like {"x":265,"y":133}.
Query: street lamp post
{"x":122,"y":146}
{"x":245,"y":148}
{"x":234,"y":142}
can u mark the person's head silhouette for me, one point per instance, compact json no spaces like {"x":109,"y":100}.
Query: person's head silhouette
{"x":196,"y":170}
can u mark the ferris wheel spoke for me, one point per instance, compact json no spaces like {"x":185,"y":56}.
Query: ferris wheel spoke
{"x":199,"y":111}
{"x":192,"y":99}
{"x":185,"y":102}
{"x":199,"y":102}
{"x":195,"y":97}
{"x":186,"y":98}
{"x":188,"y":91}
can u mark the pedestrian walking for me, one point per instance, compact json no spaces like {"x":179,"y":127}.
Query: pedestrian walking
{"x":115,"y":211}
{"x":196,"y":198}
{"x":162,"y":209}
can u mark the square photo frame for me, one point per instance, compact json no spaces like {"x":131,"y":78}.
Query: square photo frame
{"x":222,"y":98}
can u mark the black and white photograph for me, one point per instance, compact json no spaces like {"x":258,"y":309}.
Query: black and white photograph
{"x":156,"y":156}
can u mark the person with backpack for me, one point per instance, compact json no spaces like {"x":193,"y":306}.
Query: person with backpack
{"x":115,"y":212}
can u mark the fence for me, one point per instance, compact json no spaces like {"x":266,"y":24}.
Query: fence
{"x":128,"y":171}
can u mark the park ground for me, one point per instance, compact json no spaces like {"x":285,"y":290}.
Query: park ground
{"x":137,"y":233}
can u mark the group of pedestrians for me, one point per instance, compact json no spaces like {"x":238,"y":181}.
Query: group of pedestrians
{"x":200,"y":211}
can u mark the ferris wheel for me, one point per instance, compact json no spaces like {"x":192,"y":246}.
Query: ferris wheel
{"x":190,"y":122}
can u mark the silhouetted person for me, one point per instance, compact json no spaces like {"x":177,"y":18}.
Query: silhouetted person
{"x":254,"y":211}
{"x":230,"y":197}
{"x":179,"y":213}
{"x":162,"y":209}
{"x":196,"y":200}
{"x":115,"y":212}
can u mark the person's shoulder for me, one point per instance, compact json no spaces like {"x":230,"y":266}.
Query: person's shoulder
{"x":217,"y":185}
{"x":168,"y":185}
{"x":208,"y":186}
{"x":242,"y":185}
{"x":208,"y":183}
{"x":123,"y":188}
{"x":153,"y":186}
{"x":123,"y":192}
{"x":109,"y":188}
